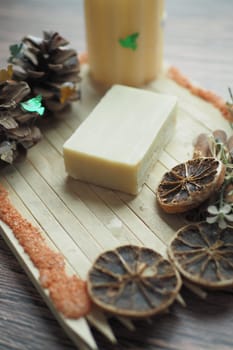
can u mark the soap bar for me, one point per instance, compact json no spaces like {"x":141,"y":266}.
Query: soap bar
{"x":121,"y":139}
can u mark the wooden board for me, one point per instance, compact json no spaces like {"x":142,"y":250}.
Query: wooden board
{"x":82,"y":220}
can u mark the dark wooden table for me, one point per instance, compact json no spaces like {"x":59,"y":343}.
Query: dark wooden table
{"x":198,"y":40}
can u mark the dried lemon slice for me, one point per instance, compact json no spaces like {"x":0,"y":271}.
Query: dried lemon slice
{"x":203,"y":253}
{"x":189,"y":184}
{"x":133,"y":281}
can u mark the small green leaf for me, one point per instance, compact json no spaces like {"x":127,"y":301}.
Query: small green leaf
{"x":130,"y":41}
{"x":33,"y":105}
{"x":15,"y":51}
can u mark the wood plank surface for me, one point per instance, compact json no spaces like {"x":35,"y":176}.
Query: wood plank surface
{"x":198,"y":41}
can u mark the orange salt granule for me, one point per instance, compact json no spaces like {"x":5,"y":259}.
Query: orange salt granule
{"x":206,"y":95}
{"x":71,"y":289}
{"x":68,"y":293}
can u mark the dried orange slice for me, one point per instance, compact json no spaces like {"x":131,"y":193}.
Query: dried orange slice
{"x":189,"y":184}
{"x":133,"y":281}
{"x":203,"y":253}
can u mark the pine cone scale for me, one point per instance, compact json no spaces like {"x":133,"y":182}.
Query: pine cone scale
{"x":34,"y":41}
{"x":55,"y":67}
{"x":7,"y":150}
{"x":62,"y":55}
{"x":55,"y":40}
{"x":35,"y":75}
{"x":8,"y":122}
{"x":65,"y":77}
{"x":46,"y":93}
{"x":12,"y":93}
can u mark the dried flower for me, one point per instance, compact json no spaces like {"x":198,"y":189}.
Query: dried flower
{"x":220,"y":206}
{"x":220,"y":215}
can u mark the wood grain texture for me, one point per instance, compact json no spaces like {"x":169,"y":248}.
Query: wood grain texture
{"x":198,"y":41}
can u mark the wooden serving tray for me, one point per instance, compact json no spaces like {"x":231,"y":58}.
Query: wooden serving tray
{"x":82,"y":220}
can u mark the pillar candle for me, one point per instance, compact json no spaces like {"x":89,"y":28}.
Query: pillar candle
{"x":124,"y":40}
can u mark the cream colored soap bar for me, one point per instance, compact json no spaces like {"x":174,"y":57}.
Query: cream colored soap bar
{"x":118,"y":143}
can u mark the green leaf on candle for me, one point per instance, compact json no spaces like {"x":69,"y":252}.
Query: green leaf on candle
{"x":33,"y":105}
{"x":130,"y":41}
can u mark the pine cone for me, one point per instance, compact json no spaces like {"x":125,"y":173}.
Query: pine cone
{"x":49,"y":68}
{"x":17,"y":132}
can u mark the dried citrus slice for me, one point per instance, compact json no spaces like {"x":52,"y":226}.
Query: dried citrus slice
{"x":189,"y":184}
{"x":133,"y":281}
{"x":203,"y":253}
